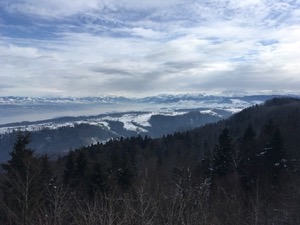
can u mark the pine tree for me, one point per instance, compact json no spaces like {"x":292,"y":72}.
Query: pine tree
{"x":268,"y":128}
{"x":247,"y":166}
{"x":46,"y":173}
{"x":97,"y":179}
{"x":206,"y":166}
{"x":249,"y":133}
{"x":124,"y":176}
{"x":222,"y":156}
{"x":46,"y":176}
{"x":76,"y":172}
{"x":69,"y":172}
{"x":81,"y":167}
{"x":275,"y":158}
{"x":22,"y":189}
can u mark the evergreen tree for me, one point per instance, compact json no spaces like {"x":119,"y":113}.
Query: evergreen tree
{"x":275,"y":158}
{"x":206,"y":166}
{"x":249,"y":134}
{"x":69,"y":172}
{"x":268,"y":128}
{"x":76,"y":171}
{"x":81,"y":166}
{"x":45,"y":171}
{"x":45,"y":176}
{"x":22,"y":190}
{"x":124,"y":176}
{"x":248,"y":163}
{"x":97,"y":179}
{"x":222,"y":156}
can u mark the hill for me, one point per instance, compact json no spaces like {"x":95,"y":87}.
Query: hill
{"x":165,"y":114}
{"x":56,"y":137}
{"x":283,"y":113}
{"x":241,"y":170}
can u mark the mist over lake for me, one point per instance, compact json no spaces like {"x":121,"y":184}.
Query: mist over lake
{"x":20,"y":113}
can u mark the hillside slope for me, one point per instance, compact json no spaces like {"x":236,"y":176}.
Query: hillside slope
{"x":242,"y":170}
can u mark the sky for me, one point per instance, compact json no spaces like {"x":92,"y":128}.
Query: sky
{"x":148,"y":47}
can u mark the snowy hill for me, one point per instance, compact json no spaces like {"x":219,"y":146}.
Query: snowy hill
{"x":58,"y":124}
{"x":18,"y":109}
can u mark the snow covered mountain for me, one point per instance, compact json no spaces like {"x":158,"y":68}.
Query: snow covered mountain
{"x":35,"y":114}
{"x":159,"y":99}
{"x":18,"y":109}
{"x":58,"y":124}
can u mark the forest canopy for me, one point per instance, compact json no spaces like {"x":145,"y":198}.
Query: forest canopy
{"x":244,"y":170}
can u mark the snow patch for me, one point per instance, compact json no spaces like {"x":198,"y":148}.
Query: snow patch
{"x":210,"y":112}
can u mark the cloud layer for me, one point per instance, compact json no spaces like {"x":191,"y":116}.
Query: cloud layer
{"x":92,"y":47}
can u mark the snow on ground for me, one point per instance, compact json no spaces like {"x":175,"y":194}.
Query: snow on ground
{"x":233,"y":110}
{"x":238,"y":102}
{"x":129,"y":119}
{"x":210,"y":112}
{"x":130,"y":122}
{"x":139,"y":121}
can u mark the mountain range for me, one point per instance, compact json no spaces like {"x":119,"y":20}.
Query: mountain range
{"x":154,"y":117}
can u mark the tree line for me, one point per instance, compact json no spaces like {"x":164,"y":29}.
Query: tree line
{"x":244,"y":170}
{"x":139,"y":180}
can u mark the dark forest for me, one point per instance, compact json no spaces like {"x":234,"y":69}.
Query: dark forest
{"x":243,"y":170}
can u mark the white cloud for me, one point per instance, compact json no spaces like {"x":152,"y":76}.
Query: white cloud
{"x":53,"y":8}
{"x":131,"y":47}
{"x":59,"y":8}
{"x":146,"y":33}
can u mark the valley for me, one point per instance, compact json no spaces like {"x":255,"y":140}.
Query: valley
{"x":84,"y":121}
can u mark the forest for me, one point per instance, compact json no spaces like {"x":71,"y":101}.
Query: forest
{"x":242,"y":170}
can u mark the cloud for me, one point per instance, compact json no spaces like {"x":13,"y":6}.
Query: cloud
{"x":63,"y":8}
{"x":51,"y":9}
{"x":134,"y":48}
